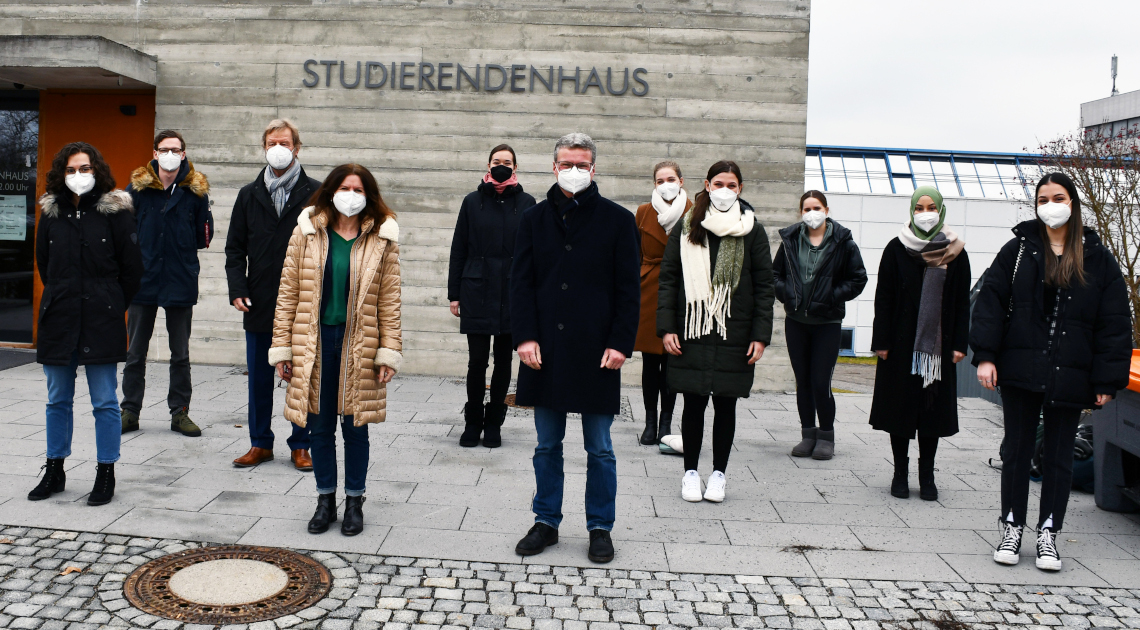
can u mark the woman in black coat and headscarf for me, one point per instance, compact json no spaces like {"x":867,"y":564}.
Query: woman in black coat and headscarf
{"x":1052,"y":328}
{"x":922,"y":328}
{"x":477,"y":288}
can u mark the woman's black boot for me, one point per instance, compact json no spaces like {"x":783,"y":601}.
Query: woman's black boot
{"x":53,"y":481}
{"x":900,"y":485}
{"x":649,"y":435}
{"x":473,"y":421}
{"x":495,"y":414}
{"x":927,"y":491}
{"x":353,"y":516}
{"x":325,"y":514}
{"x":104,"y":487}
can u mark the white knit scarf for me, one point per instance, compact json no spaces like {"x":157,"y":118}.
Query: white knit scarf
{"x":669,"y":212}
{"x":707,"y":306}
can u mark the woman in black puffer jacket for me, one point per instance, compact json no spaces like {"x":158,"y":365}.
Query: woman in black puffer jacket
{"x":1051,"y":327}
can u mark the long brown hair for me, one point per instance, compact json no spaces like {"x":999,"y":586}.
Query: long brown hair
{"x":374,"y":206}
{"x":1062,"y":273}
{"x":104,"y":180}
{"x":701,"y":201}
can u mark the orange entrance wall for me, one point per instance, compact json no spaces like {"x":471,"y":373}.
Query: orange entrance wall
{"x":93,"y":117}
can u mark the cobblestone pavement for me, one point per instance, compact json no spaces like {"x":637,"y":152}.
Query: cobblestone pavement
{"x":52,"y":580}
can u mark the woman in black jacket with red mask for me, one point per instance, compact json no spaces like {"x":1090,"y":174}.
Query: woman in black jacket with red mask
{"x":1052,"y":328}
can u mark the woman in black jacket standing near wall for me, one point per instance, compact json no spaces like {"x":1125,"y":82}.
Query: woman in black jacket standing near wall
{"x":817,"y":269}
{"x":1052,"y":329}
{"x":478,"y":289}
{"x":922,"y":328}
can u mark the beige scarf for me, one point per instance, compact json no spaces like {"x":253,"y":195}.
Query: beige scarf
{"x":669,"y":212}
{"x":708,"y":295}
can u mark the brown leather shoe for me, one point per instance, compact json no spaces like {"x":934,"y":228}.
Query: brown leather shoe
{"x":254,"y":457}
{"x":301,"y":460}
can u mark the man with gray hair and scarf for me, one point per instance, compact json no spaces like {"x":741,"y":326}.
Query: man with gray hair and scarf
{"x":575,"y":304}
{"x":262,"y":221}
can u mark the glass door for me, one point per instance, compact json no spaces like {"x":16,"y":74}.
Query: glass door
{"x":19,"y":145}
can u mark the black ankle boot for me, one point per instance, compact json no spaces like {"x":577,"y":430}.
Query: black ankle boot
{"x":900,"y":485}
{"x":53,"y":481}
{"x":325,"y":514}
{"x":353,"y":516}
{"x":649,"y":435}
{"x":664,"y":424}
{"x":473,"y":420}
{"x":927,"y":491}
{"x":104,"y":487}
{"x":494,"y":415}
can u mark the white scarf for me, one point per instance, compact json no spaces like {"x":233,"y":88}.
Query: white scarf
{"x":705,"y":308}
{"x":669,"y":212}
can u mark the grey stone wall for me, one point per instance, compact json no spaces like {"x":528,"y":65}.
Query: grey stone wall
{"x":727,"y":80}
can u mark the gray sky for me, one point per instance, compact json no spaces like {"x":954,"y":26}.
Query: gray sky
{"x":980,"y":75}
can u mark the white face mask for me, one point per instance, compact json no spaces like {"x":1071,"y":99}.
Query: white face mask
{"x":814,"y":218}
{"x":348,"y":203}
{"x":279,"y":157}
{"x":1054,"y":214}
{"x":722,"y":199}
{"x":573,"y":180}
{"x":169,"y":161}
{"x":80,"y":183}
{"x":925,"y":221}
{"x":669,"y":190}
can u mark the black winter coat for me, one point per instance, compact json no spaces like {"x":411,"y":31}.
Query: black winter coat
{"x":900,"y":405}
{"x":256,"y":245}
{"x":576,"y":290}
{"x":481,"y":252}
{"x":839,"y":278}
{"x":90,"y":265}
{"x":172,"y":228}
{"x":1090,"y":349}
{"x":711,"y":365}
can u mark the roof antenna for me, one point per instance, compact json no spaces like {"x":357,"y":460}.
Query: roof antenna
{"x":1114,"y":90}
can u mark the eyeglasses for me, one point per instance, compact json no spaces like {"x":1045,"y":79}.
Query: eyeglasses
{"x":86,"y":168}
{"x":168,"y":151}
{"x":582,"y":166}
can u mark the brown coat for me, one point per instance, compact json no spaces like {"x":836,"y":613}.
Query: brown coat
{"x":372,"y":335}
{"x":653,"y":240}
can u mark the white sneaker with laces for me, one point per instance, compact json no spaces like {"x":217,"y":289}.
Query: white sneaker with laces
{"x":691,"y":486}
{"x":1047,"y":557}
{"x":714,"y":490}
{"x":1009,"y":550}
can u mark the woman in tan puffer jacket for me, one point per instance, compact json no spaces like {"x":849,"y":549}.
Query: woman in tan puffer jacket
{"x":336,"y":332}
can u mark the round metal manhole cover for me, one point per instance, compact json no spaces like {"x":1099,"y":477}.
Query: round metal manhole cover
{"x":231,"y":584}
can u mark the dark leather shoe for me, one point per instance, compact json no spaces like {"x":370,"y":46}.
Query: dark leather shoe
{"x":301,"y":460}
{"x":254,"y":457}
{"x":325,"y":514}
{"x":601,"y":547}
{"x":353,"y":516}
{"x":537,"y":539}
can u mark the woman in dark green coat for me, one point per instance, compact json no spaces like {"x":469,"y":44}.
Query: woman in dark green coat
{"x":714,"y":314}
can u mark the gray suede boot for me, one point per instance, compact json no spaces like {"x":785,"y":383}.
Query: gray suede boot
{"x":805,"y":447}
{"x":824,"y":445}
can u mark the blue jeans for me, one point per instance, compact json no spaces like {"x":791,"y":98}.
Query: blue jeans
{"x":322,"y":425}
{"x":102,"y":380}
{"x":601,"y":468}
{"x":261,"y":395}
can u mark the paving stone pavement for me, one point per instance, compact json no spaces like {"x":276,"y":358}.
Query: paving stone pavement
{"x":429,"y":498}
{"x":56,"y":580}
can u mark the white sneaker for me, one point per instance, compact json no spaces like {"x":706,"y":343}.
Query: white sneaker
{"x":1047,"y":557}
{"x":714,"y":490}
{"x":1009,"y":549}
{"x":691,"y":486}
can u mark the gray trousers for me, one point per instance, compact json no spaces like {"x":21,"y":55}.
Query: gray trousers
{"x":140,"y":327}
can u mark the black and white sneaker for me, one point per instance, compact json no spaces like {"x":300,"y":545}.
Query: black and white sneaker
{"x":1009,"y":550}
{"x":1047,"y":557}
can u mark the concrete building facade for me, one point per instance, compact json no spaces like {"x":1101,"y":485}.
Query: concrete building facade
{"x":420,"y":91}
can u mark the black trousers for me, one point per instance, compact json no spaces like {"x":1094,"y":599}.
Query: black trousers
{"x":479,"y":354}
{"x":140,"y":328}
{"x":813,"y":350}
{"x":693,"y":429}
{"x":1022,"y":409}
{"x":927,"y":447}
{"x":653,"y":385}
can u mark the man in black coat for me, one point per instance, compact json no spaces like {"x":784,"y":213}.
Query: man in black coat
{"x":575,"y":303}
{"x":172,"y":210}
{"x":263,"y":219}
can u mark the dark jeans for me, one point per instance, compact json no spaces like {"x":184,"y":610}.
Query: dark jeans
{"x":601,"y":469}
{"x":322,"y":425}
{"x":813,"y":349}
{"x":479,"y":354}
{"x":140,"y":327}
{"x":1022,"y":409}
{"x":693,"y":429}
{"x":653,"y":384}
{"x":261,"y":376}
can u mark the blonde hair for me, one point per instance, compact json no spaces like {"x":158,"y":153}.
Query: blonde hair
{"x":279,"y":124}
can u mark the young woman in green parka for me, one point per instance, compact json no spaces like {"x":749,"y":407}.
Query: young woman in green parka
{"x":714,"y":314}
